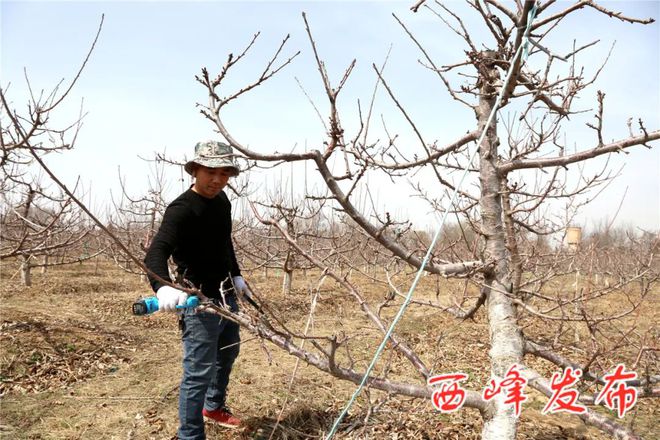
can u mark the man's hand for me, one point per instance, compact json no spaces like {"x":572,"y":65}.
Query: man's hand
{"x":169,"y":298}
{"x":240,"y":286}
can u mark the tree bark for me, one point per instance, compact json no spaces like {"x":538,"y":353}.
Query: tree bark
{"x":286,"y":282}
{"x":287,"y":267}
{"x":511,"y":241}
{"x":506,"y":338}
{"x":44,"y":267}
{"x":26,"y":275}
{"x":26,"y":266}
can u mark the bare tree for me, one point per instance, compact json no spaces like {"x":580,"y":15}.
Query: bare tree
{"x":43,"y":230}
{"x":135,"y":219}
{"x":37,"y":222}
{"x":520,"y":174}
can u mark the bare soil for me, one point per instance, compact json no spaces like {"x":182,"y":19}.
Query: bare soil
{"x":75,"y":364}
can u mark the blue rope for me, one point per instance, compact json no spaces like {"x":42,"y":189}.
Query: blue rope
{"x":522,"y":48}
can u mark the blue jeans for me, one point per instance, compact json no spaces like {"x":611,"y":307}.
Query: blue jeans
{"x":206,"y":366}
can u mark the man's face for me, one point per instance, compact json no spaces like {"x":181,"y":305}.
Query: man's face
{"x":210,"y":181}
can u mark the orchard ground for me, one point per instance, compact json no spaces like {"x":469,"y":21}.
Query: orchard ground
{"x":75,"y":364}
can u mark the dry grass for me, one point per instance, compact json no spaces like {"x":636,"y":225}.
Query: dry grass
{"x":75,"y":364}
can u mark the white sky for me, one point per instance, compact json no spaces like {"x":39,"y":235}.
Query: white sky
{"x":140,"y":93}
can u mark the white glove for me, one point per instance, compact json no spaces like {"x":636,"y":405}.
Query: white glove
{"x":240,"y":286}
{"x":169,"y":298}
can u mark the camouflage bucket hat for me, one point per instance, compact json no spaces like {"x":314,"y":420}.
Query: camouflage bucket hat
{"x":212,"y":154}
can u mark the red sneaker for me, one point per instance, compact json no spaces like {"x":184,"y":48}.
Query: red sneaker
{"x":222,"y":417}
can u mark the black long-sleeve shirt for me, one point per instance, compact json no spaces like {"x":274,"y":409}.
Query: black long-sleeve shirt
{"x":196,"y":232}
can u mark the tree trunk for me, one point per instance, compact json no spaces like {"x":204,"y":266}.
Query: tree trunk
{"x":511,"y":241}
{"x":286,"y":282}
{"x":26,"y":276}
{"x":288,"y":274}
{"x":287,"y":267}
{"x":505,"y":336}
{"x":44,"y":268}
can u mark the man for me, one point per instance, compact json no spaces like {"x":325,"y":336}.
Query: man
{"x":196,"y":233}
